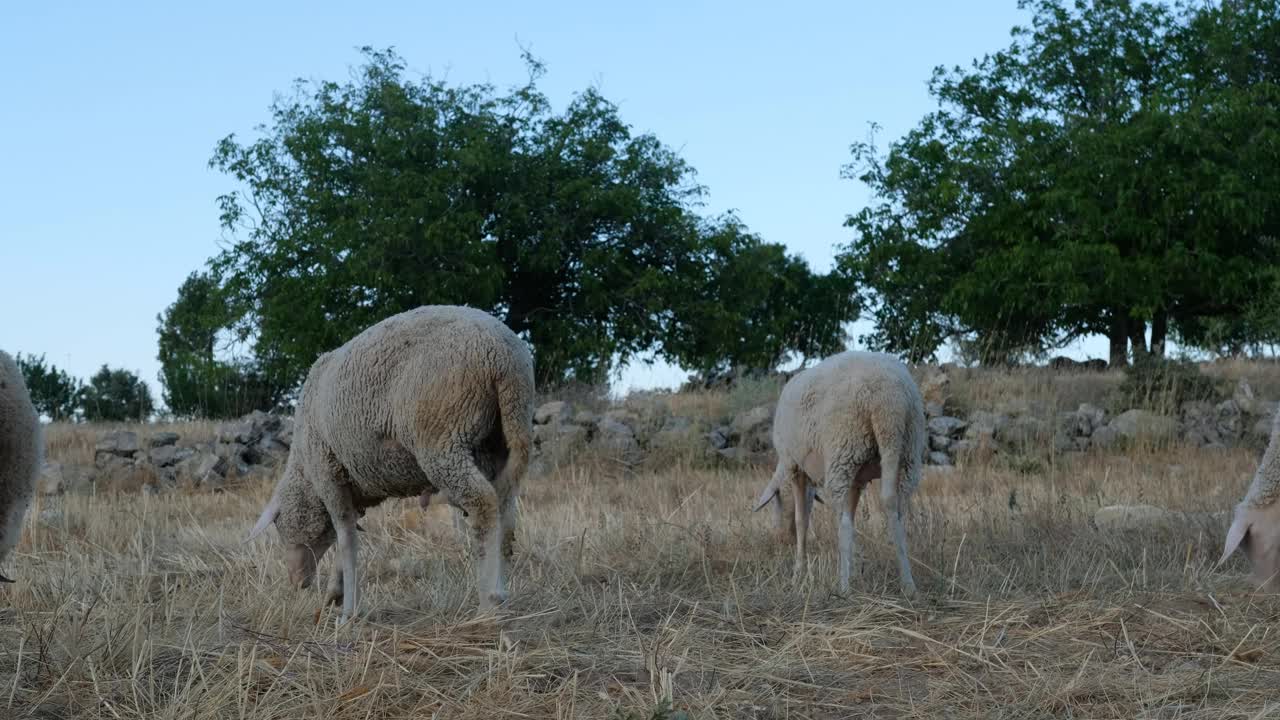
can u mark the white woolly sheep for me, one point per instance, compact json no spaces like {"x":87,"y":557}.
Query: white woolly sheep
{"x":20,"y":452}
{"x":1256,"y":525}
{"x":436,"y":398}
{"x":839,"y":424}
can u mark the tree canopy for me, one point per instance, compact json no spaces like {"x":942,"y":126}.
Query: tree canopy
{"x":1113,"y":171}
{"x":363,"y":199}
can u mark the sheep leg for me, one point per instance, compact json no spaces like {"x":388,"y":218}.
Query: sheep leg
{"x":508,"y":518}
{"x":798,"y":483}
{"x":456,"y":474}
{"x":333,"y":595}
{"x":337,"y":500}
{"x":848,"y":537}
{"x":894,"y":504}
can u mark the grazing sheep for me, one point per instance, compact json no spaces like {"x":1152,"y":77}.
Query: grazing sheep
{"x":434,"y":399}
{"x":19,"y":454}
{"x":840,"y":423}
{"x":1256,"y":524}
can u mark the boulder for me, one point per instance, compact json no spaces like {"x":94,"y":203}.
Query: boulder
{"x":1230,"y":420}
{"x":939,"y":443}
{"x":201,"y":468}
{"x":163,"y":439}
{"x":1260,"y":433}
{"x":52,"y":479}
{"x":933,"y":409}
{"x":754,"y":429}
{"x":1244,"y":398}
{"x":947,"y":426}
{"x":1089,"y":418}
{"x":617,"y":439}
{"x":585,"y":417}
{"x":719,"y":437}
{"x":549,"y":413}
{"x":1021,"y":432}
{"x":169,"y":455}
{"x":241,"y":432}
{"x":121,"y":443}
{"x":285,"y":434}
{"x":936,"y":388}
{"x":1144,"y":426}
{"x":938,"y":458}
{"x":1104,"y":438}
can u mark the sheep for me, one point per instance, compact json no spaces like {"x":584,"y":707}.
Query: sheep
{"x":20,"y":454}
{"x":839,"y":423}
{"x":1255,"y":526}
{"x":439,"y":398}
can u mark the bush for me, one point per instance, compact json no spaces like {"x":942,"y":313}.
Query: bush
{"x":1162,"y":386}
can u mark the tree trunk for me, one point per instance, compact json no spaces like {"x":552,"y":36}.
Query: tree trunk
{"x":1118,"y":337}
{"x":1159,"y":331}
{"x":1138,"y":339}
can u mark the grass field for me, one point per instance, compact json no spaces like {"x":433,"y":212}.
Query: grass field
{"x":655,"y":594}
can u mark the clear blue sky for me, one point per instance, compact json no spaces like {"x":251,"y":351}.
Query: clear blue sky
{"x":109,"y":113}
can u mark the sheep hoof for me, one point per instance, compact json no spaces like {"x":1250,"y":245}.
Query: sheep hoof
{"x":492,"y":600}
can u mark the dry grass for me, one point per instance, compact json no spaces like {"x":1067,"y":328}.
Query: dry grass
{"x":634,"y":590}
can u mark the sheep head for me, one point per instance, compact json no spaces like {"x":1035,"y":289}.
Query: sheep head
{"x":1256,"y":530}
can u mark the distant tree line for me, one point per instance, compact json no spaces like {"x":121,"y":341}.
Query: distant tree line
{"x":110,"y":395}
{"x":1115,"y":170}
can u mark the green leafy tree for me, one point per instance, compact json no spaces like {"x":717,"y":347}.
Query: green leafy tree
{"x":364,"y":199}
{"x":1110,"y":172}
{"x":196,"y":380}
{"x":116,"y":395}
{"x":755,"y":306}
{"x":54,"y":392}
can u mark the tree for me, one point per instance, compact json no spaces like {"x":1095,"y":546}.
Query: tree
{"x":54,"y":393}
{"x":369,"y":198}
{"x":197,"y":380}
{"x":116,"y":395}
{"x":754,"y":306}
{"x":1105,"y":174}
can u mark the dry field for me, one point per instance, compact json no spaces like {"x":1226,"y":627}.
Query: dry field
{"x":658,"y":595}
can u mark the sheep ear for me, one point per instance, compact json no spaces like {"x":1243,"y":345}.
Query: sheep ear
{"x":1236,"y":535}
{"x":268,"y":516}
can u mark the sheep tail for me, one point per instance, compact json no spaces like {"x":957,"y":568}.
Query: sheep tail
{"x":515,"y":411}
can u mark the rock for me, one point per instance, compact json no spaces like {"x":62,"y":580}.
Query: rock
{"x":1104,"y":438}
{"x":264,"y":422}
{"x":754,"y":429}
{"x":169,"y":455}
{"x":1021,"y":432}
{"x":1089,"y":418}
{"x":616,"y":438}
{"x":676,"y":432}
{"x":585,"y":417}
{"x":1144,"y":426}
{"x":51,"y":480}
{"x":1200,"y":424}
{"x":1244,"y":397}
{"x":961,"y":448}
{"x":939,"y":442}
{"x":938,"y":458}
{"x":947,"y":426}
{"x":933,"y":409}
{"x":558,"y":445}
{"x":121,"y":443}
{"x":936,"y":388}
{"x":988,"y":424}
{"x":285,"y":434}
{"x":241,"y":432}
{"x":163,"y":439}
{"x":719,"y":437}
{"x":1114,"y":518}
{"x":1230,"y":420}
{"x":201,"y":468}
{"x":1261,"y":431}
{"x":556,"y":411}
